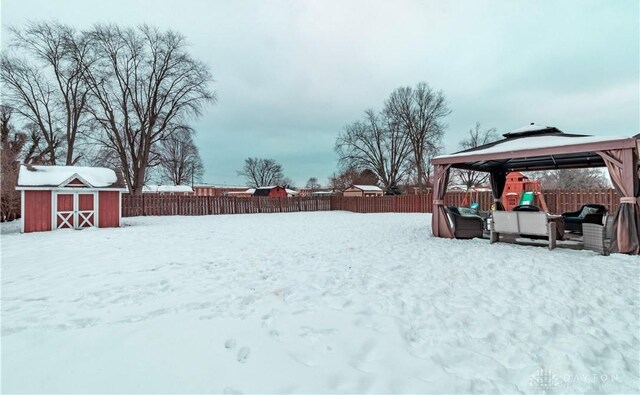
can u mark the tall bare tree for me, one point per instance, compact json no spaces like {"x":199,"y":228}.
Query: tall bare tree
{"x":43,"y":84}
{"x":476,"y":138}
{"x":313,"y":184}
{"x":420,"y":112}
{"x":179,"y":158}
{"x":350,"y":176}
{"x":343,"y":179}
{"x":11,"y":145}
{"x":144,"y":86}
{"x":375,"y":143}
{"x":263,"y":172}
{"x":571,"y":178}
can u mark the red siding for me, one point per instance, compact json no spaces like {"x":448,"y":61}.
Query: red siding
{"x":109,"y":209}
{"x":278,"y":192}
{"x":65,"y":202}
{"x":85,"y":202}
{"x":37,"y":211}
{"x":76,"y":183}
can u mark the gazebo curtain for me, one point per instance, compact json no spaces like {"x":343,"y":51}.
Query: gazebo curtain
{"x":498,"y":180}
{"x":623,"y":170}
{"x":439,"y":223}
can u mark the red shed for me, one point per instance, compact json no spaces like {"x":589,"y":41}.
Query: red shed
{"x":275,"y":191}
{"x":58,"y":197}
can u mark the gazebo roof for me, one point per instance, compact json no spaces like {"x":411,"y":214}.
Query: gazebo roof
{"x":535,"y":147}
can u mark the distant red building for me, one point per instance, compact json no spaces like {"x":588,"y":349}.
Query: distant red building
{"x":275,"y":191}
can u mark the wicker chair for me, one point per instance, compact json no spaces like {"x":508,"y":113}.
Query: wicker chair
{"x":573,"y":221}
{"x":465,"y":226}
{"x":597,"y":237}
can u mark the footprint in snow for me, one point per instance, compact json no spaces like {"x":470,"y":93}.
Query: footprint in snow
{"x":243,"y":354}
{"x":230,"y":344}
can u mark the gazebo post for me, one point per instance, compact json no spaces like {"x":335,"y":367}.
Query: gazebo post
{"x":498,"y":180}
{"x":440,"y":226}
{"x":622,"y":165}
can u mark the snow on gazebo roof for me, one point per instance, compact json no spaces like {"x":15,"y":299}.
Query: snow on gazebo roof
{"x":55,"y":176}
{"x":535,"y":146}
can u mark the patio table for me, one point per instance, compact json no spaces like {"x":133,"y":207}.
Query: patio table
{"x":559,"y":221}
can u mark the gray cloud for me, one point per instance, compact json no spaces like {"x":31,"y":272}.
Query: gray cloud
{"x":290,"y":74}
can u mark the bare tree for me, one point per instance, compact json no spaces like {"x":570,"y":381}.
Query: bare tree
{"x":375,"y":143}
{"x":571,"y":178}
{"x":144,"y":86}
{"x":313,"y":184}
{"x":179,"y":158}
{"x":11,"y":144}
{"x":427,"y":175}
{"x":343,"y":179}
{"x":476,"y":138}
{"x":420,"y":112}
{"x":263,"y":172}
{"x":46,"y":87}
{"x":350,"y":176}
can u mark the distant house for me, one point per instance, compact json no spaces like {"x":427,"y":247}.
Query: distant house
{"x":362,"y":191}
{"x":168,"y":189}
{"x":323,"y":193}
{"x":304,"y":192}
{"x":271,"y":191}
{"x":245,"y":193}
{"x":215,"y":190}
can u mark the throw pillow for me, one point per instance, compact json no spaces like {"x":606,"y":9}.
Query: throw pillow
{"x":466,"y":211}
{"x":586,"y":211}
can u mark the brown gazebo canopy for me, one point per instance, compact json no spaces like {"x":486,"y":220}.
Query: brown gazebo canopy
{"x":540,"y":148}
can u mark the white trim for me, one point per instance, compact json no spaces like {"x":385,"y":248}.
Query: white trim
{"x":83,"y":217}
{"x":22,"y":211}
{"x":74,"y":176}
{"x":54,"y":211}
{"x":75,"y":219}
{"x":119,"y":208}
{"x":76,"y":204}
{"x":54,"y":188}
{"x":96,"y":209}
{"x":67,"y":217}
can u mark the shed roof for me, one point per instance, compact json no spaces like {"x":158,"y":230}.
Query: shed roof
{"x":37,"y":176}
{"x":536,"y":147}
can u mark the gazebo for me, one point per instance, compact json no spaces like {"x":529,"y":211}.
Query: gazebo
{"x":536,"y":147}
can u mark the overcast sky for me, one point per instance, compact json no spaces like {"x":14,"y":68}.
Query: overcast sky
{"x":290,"y":74}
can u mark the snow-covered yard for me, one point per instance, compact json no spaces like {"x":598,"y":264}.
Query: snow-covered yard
{"x":327,"y":302}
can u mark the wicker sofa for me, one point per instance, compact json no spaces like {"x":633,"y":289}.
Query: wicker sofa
{"x":523,"y":223}
{"x":466,"y":224}
{"x":573,"y":220}
{"x":597,"y":237}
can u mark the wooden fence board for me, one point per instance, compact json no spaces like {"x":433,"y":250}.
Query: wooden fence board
{"x":558,"y":201}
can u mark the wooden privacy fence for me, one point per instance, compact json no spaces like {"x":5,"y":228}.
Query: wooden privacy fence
{"x":134,"y":205}
{"x":558,"y":201}
{"x":562,"y":201}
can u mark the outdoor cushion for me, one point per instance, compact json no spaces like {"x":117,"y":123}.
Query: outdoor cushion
{"x":466,"y":211}
{"x":586,"y":211}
